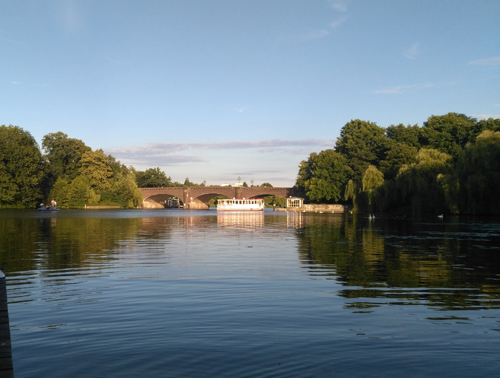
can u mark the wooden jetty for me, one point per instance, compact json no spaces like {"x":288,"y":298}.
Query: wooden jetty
{"x":6,"y":366}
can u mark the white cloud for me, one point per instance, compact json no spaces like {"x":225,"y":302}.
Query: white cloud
{"x":412,"y":52}
{"x":314,"y":34}
{"x":400,"y":89}
{"x":495,"y":61}
{"x":168,"y":154}
{"x":304,"y":37}
{"x":338,"y":5}
{"x":16,"y":82}
{"x":336,"y":24}
{"x":486,"y":116}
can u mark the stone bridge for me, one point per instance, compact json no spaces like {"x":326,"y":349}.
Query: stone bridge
{"x":198,"y":197}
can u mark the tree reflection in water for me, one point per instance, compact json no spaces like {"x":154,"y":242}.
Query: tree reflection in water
{"x":395,"y":260}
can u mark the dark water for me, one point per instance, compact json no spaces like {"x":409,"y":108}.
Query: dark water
{"x":200,"y":294}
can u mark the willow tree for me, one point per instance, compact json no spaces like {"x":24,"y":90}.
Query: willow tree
{"x":421,"y":184}
{"x":372,"y":181}
{"x":478,"y":174}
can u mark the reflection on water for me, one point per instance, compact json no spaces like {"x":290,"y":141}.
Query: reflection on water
{"x":453,"y":265}
{"x":241,"y":219}
{"x":200,"y":293}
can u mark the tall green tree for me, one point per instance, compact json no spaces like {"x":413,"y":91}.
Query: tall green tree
{"x":448,"y":133}
{"x":323,"y":176}
{"x":362,"y":143}
{"x":63,"y":155}
{"x":97,"y":171}
{"x":408,"y":135}
{"x":21,"y":168}
{"x":152,"y":178}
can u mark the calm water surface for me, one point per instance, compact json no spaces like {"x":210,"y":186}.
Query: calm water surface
{"x":200,"y":294}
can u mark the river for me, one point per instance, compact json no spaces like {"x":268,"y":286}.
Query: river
{"x":172,"y":293}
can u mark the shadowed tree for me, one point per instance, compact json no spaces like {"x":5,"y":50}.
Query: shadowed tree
{"x":420,"y":184}
{"x":478,"y":173}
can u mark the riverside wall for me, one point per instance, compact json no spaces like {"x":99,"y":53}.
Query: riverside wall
{"x":318,"y":208}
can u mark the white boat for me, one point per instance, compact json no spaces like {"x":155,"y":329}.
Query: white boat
{"x":238,"y":204}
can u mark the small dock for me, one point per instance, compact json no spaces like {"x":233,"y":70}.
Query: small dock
{"x":6,"y":366}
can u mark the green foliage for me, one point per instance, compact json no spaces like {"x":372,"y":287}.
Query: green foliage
{"x":274,"y":201}
{"x":350,"y":191}
{"x":407,"y":135}
{"x":372,"y":181}
{"x":21,"y":168}
{"x":448,"y":133}
{"x":123,"y":193}
{"x":421,"y":183}
{"x":79,"y":192}
{"x":152,"y":178}
{"x":213,"y":201}
{"x":323,"y":176}
{"x":60,"y":192}
{"x":397,"y":155}
{"x":63,"y":155}
{"x":362,"y":143}
{"x":478,"y":172}
{"x":97,"y":171}
{"x":266,"y":185}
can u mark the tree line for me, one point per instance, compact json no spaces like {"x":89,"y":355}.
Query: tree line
{"x":449,"y":165}
{"x":69,"y":171}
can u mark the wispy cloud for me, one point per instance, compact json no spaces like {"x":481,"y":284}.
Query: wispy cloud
{"x":336,"y":23}
{"x":487,"y":116}
{"x":16,"y":82}
{"x":242,"y":109}
{"x":400,"y":89}
{"x":314,"y":34}
{"x":495,"y":61}
{"x":169,"y":154}
{"x":412,"y":52}
{"x":304,"y":37}
{"x":338,"y":5}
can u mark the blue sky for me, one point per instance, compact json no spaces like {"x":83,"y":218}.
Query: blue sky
{"x":213,"y":90}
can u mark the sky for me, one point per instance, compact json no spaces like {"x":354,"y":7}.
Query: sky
{"x":220,"y":89}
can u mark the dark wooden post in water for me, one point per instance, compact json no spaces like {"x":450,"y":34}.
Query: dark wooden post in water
{"x":6,"y":367}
